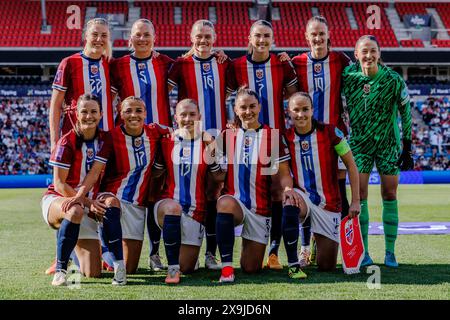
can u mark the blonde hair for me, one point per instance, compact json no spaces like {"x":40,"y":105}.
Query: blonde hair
{"x":254,"y":25}
{"x":144,"y":21}
{"x":202,"y":23}
{"x":107,"y":51}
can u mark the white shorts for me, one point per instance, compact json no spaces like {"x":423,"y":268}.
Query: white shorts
{"x":255,"y":227}
{"x":88,"y":227}
{"x":192,"y":231}
{"x":323,"y":222}
{"x":132,"y":220}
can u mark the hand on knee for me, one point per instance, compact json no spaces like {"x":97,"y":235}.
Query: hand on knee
{"x":75,"y":214}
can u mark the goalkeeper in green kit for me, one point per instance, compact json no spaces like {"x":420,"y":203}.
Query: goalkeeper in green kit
{"x":374,"y":95}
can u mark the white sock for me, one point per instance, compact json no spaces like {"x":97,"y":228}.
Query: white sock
{"x":118,"y":264}
{"x":305,"y":248}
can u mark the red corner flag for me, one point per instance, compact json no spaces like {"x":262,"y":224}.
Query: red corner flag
{"x":352,"y":247}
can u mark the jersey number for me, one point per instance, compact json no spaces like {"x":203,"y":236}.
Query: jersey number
{"x":140,"y":158}
{"x":307,"y":163}
{"x":96,"y":85}
{"x":318,"y":84}
{"x":208,"y":82}
{"x":142,"y":76}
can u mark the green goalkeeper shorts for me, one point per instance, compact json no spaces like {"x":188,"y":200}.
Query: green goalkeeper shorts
{"x":385,"y":159}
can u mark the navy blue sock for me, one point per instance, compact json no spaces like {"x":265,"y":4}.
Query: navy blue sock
{"x":210,"y":227}
{"x":275,"y":230}
{"x":154,"y":232}
{"x":112,"y":232}
{"x":306,"y":232}
{"x":290,"y":224}
{"x":344,"y":200}
{"x":225,"y":236}
{"x":106,"y":255}
{"x":172,"y":238}
{"x":67,"y":240}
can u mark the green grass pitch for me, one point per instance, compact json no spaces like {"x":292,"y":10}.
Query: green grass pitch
{"x":28,"y":246}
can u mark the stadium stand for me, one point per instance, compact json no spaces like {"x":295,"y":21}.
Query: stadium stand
{"x":20,"y":25}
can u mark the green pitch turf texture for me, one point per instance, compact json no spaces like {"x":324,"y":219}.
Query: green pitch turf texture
{"x":28,"y":247}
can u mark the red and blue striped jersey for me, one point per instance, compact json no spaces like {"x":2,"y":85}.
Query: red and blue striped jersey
{"x":267,"y":78}
{"x":76,"y":155}
{"x":205,"y":81}
{"x":129,"y":161}
{"x":77,"y":75}
{"x":187,"y":168}
{"x":314,"y":163}
{"x":321,"y":78}
{"x":146,"y":79}
{"x":252,"y":156}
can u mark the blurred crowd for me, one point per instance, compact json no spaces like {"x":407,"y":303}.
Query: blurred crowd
{"x":24,"y":145}
{"x":25,"y":148}
{"x":432,"y":141}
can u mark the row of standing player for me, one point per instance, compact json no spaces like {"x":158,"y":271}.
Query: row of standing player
{"x":259,"y":66}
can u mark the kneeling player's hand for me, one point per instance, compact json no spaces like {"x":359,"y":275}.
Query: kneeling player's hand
{"x":98,"y":207}
{"x":291,"y":197}
{"x":354,"y":210}
{"x":406,"y":161}
{"x":72,"y":201}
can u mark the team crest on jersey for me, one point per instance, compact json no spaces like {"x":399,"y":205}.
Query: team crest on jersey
{"x":90,"y":153}
{"x":141,"y":66}
{"x":349,"y":232}
{"x":94,"y":69}
{"x":206,"y":67}
{"x":366,"y":88}
{"x":248,"y":141}
{"x":305,"y":145}
{"x":59,"y":153}
{"x":317,"y":68}
{"x":259,"y":73}
{"x":138,"y":142}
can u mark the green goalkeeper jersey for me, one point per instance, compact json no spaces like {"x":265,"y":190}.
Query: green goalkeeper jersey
{"x":373,"y":104}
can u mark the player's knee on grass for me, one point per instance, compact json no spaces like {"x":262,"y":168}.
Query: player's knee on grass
{"x":327,"y":251}
{"x":188,"y":258}
{"x":251,"y":267}
{"x":75,"y":214}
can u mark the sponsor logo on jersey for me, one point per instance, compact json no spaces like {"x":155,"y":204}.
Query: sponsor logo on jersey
{"x":317,"y":68}
{"x":58,"y":76}
{"x":59,"y":153}
{"x":141,"y":66}
{"x":94,"y":69}
{"x":349,"y":233}
{"x":138,"y":142}
{"x":206,"y":67}
{"x":186,"y":152}
{"x":259,"y":73}
{"x":366,"y":88}
{"x":90,"y":153}
{"x":305,"y":145}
